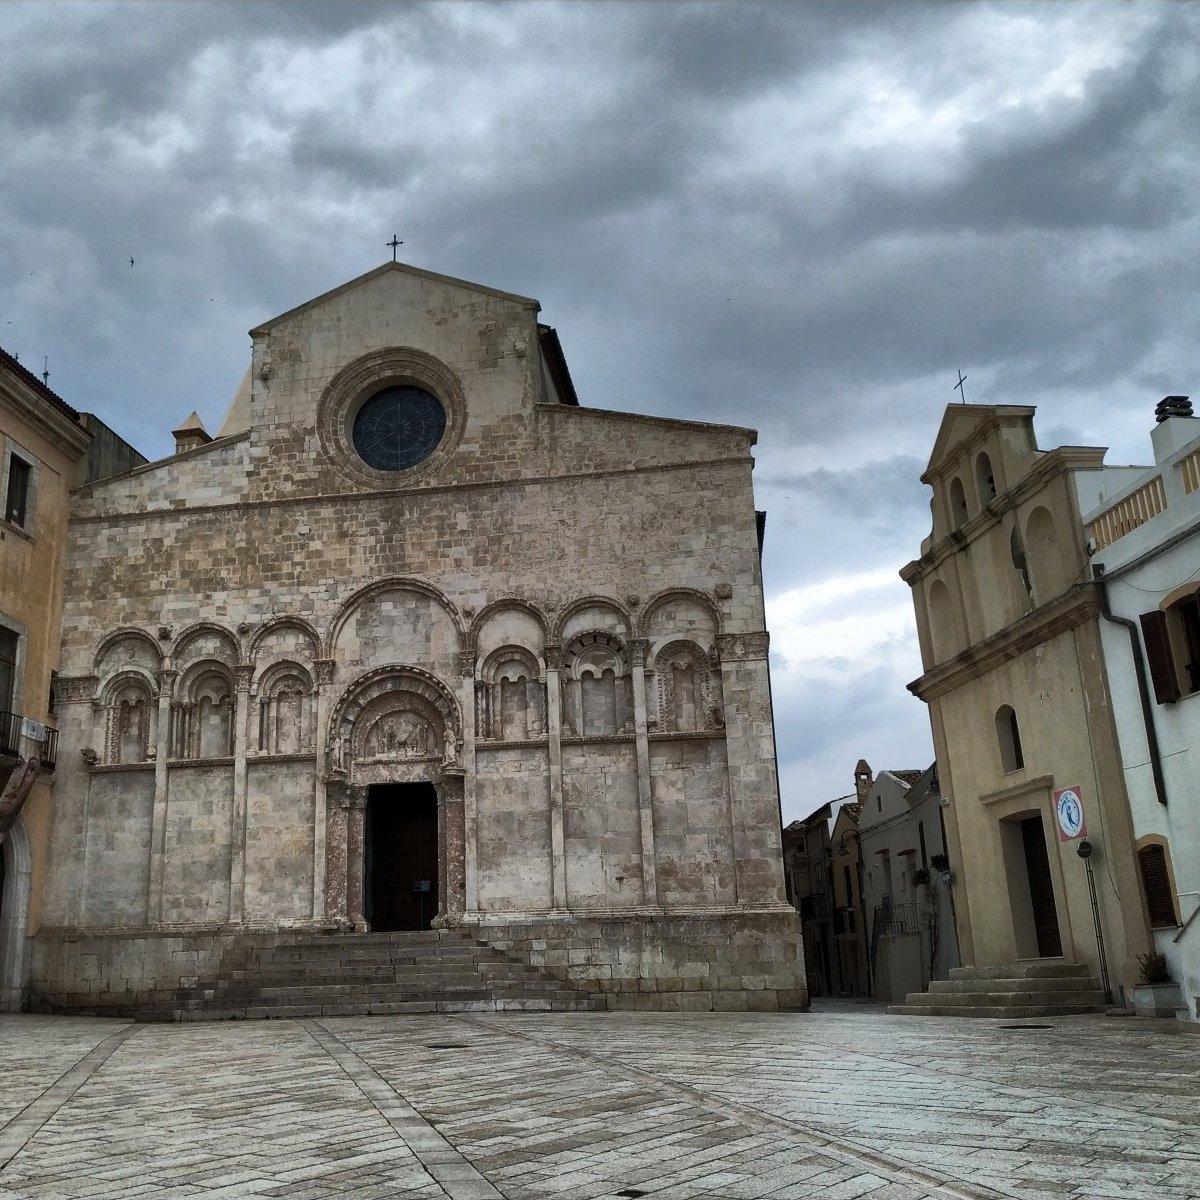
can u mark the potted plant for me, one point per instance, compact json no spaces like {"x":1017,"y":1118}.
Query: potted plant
{"x":1156,"y":994}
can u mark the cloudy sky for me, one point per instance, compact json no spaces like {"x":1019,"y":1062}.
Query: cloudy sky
{"x":802,"y":217}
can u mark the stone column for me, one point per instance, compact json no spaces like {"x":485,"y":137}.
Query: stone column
{"x":158,"y":822}
{"x":467,"y":814}
{"x":750,"y":747}
{"x":356,"y":818}
{"x":338,"y":800}
{"x":558,"y":850}
{"x":237,"y":833}
{"x":637,"y":650}
{"x":322,"y":811}
{"x":451,"y":840}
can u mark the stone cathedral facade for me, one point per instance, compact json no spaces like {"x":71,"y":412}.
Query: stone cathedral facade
{"x":419,"y":641}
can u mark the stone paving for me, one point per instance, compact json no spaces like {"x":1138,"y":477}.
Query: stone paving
{"x":842,"y":1103}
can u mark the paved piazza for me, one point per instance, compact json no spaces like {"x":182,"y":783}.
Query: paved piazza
{"x":841,"y":1103}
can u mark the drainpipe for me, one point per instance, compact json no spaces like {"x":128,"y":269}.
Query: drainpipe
{"x":1139,"y":667}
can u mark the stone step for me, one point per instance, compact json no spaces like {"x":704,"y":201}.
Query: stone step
{"x":1008,"y":1012}
{"x":1050,"y":985}
{"x":1039,"y":968}
{"x":1092,"y":997}
{"x":328,"y":975}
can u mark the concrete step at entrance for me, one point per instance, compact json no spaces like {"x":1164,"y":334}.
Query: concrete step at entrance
{"x":1034,"y":968}
{"x":1008,"y":1012}
{"x":1050,"y":985}
{"x":959,"y":1000}
{"x":1037,"y":988}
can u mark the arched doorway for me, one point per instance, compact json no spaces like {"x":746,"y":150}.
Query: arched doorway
{"x":15,"y":872}
{"x":395,"y":828}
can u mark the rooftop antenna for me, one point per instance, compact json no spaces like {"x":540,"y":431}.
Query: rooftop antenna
{"x":46,"y":370}
{"x":958,"y":387}
{"x":394,"y":243}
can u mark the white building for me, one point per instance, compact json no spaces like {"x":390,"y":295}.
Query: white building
{"x":1144,"y":525}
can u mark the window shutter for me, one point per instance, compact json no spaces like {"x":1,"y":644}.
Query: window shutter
{"x":1156,"y":883}
{"x":1158,"y":653}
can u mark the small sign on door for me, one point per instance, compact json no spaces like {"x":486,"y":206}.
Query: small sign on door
{"x":1068,"y":812}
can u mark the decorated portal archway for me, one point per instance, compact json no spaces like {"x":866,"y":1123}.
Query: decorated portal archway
{"x":393,"y":730}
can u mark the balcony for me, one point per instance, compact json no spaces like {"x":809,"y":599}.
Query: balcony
{"x":15,"y":729}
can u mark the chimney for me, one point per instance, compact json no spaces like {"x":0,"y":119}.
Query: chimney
{"x":1175,"y":427}
{"x":863,"y":780}
{"x":191,"y":434}
{"x":1172,"y":406}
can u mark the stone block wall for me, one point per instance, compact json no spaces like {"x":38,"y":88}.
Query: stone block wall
{"x":736,"y":962}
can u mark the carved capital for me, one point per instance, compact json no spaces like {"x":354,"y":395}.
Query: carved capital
{"x":324,"y":668}
{"x":245,"y":675}
{"x":466,"y":663}
{"x":637,"y":651}
{"x":70,"y":689}
{"x":737,"y":647}
{"x":166,"y":680}
{"x":553,"y":656}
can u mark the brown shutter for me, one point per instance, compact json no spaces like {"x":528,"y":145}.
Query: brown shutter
{"x":1158,"y":654}
{"x":1156,"y":882}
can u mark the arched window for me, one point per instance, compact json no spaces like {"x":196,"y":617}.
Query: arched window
{"x":509,"y":696}
{"x":688,"y":691}
{"x":203,"y":717}
{"x":1008,"y":735}
{"x":1156,"y":885}
{"x":1050,"y":573}
{"x":130,"y":707}
{"x":598,"y":702}
{"x":958,"y":504}
{"x":285,"y":710}
{"x":944,"y":626}
{"x":985,"y":480}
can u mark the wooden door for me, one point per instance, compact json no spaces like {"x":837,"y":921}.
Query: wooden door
{"x":401,"y":857}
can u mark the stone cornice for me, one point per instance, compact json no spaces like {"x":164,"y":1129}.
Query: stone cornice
{"x":385,"y":496}
{"x":1072,"y":608}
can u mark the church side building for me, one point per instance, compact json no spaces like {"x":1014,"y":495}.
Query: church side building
{"x":418,"y":641}
{"x":1019,"y":701}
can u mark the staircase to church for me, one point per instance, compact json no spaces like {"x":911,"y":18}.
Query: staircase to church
{"x":368,"y":973}
{"x":1021,"y":989}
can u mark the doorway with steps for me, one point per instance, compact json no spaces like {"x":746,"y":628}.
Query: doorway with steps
{"x":400,"y":857}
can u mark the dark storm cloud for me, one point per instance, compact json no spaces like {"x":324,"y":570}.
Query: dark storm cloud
{"x":804,"y":218}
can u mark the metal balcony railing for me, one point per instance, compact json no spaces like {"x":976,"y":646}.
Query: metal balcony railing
{"x":12,"y":727}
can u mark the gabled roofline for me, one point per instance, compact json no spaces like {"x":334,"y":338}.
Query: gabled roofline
{"x":987,"y":417}
{"x":378,"y":272}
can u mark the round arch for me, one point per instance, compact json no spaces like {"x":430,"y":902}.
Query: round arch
{"x":392,"y":583}
{"x":585,"y":602}
{"x":703,"y":599}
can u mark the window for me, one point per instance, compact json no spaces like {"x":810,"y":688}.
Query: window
{"x":985,"y":481}
{"x":1172,"y":638}
{"x":1008,"y":735}
{"x":16,"y":506}
{"x":8,"y":668}
{"x":1156,"y":884}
